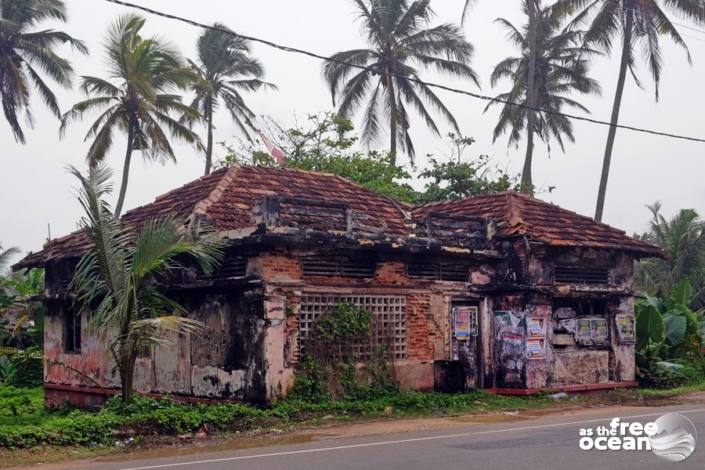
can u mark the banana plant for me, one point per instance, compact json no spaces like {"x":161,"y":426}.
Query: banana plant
{"x":667,"y":328}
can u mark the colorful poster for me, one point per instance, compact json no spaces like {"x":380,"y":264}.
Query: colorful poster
{"x":536,"y":348}
{"x":465,"y":322}
{"x":598,"y":330}
{"x":536,"y":327}
{"x":625,"y":327}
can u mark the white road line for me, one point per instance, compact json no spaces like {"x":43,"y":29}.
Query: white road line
{"x":401,"y":441}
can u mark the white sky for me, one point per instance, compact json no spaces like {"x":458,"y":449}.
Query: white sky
{"x":35,"y":189}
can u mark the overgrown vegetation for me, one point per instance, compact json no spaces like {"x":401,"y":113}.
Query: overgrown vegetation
{"x":669,"y":348}
{"x":24,"y":422}
{"x":331,"y":364}
{"x":326,"y":142}
{"x":115,"y":281}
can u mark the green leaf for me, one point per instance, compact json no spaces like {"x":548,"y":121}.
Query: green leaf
{"x":675,"y":325}
{"x":680,"y":293}
{"x":649,"y":325}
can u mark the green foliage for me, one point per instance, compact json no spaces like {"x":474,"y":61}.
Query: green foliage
{"x":324,"y":145}
{"x":561,"y":68}
{"x":223,"y":73}
{"x":330,"y":367}
{"x":25,"y":368}
{"x":28,"y":54}
{"x":683,"y":238}
{"x":668,"y":331}
{"x":457,"y":179}
{"x":116,"y":280}
{"x":24,"y":422}
{"x":139,"y":98}
{"x":25,"y":327}
{"x":401,"y":42}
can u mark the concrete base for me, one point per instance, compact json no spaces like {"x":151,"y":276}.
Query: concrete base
{"x":58,"y":395}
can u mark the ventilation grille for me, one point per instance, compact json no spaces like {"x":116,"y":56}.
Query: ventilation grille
{"x":232,"y":267}
{"x":388,"y":313}
{"x":330,"y":266}
{"x":438,"y":272}
{"x":580,"y":275}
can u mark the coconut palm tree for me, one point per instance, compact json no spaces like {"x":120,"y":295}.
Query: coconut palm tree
{"x":26,"y":54}
{"x":561,"y":69}
{"x":683,"y":239}
{"x":147,"y":71}
{"x":633,"y":22}
{"x":400,"y":41}
{"x":116,"y":280}
{"x":223,"y":71}
{"x":5,"y":256}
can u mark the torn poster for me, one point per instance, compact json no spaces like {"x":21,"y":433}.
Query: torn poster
{"x":465,"y":322}
{"x":536,"y":348}
{"x":625,"y":327}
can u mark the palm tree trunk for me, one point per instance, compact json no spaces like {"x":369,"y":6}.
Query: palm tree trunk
{"x":393,"y":120}
{"x":125,"y":170}
{"x":127,"y":380}
{"x":209,"y":145}
{"x":527,"y":182}
{"x":624,"y":65}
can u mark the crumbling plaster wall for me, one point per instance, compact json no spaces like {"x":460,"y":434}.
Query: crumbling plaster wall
{"x":224,"y":361}
{"x":567,"y":362}
{"x":428,"y":306}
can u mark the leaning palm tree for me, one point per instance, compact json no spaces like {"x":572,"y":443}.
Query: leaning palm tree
{"x":147,"y":72}
{"x":116,"y":279}
{"x":683,"y":238}
{"x":634,"y":22}
{"x":5,"y":256}
{"x":560,"y":70}
{"x":26,"y":54}
{"x":400,"y":41}
{"x":223,"y":71}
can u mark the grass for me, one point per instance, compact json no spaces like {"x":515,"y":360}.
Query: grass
{"x":25,"y":423}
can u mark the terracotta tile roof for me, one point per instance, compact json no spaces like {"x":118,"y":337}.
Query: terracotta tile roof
{"x":519,"y":214}
{"x":228,"y":197}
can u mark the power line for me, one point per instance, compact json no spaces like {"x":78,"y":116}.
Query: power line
{"x":689,"y":27}
{"x":412,"y":79}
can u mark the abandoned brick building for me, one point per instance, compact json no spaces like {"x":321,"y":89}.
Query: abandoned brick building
{"x":501,"y":292}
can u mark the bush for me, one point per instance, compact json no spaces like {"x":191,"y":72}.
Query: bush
{"x":23,"y":368}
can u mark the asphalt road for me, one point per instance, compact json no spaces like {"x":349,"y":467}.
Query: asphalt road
{"x":549,"y":442}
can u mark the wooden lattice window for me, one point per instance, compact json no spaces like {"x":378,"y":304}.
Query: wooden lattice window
{"x":563,"y":274}
{"x":439,"y":271}
{"x":338,"y":266}
{"x":388,"y":313}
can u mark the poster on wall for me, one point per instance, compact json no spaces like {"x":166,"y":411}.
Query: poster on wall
{"x":598,"y":330}
{"x":582,"y":330}
{"x":465,"y":322}
{"x":536,"y":327}
{"x":625,"y":327}
{"x":536,"y":348}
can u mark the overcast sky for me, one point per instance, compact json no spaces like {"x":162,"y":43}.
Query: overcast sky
{"x":35,"y":190}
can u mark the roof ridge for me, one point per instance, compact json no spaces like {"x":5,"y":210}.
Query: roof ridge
{"x":202,"y":206}
{"x":578,"y":214}
{"x":514,"y":213}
